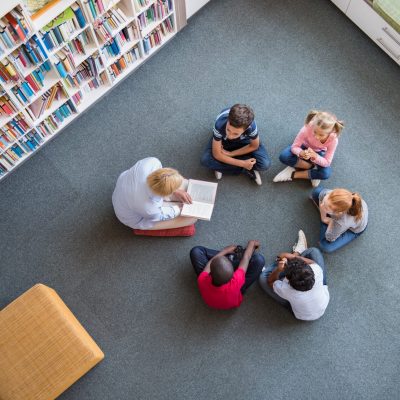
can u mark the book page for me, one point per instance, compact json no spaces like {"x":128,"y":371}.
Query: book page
{"x":202,"y":191}
{"x":198,"y":210}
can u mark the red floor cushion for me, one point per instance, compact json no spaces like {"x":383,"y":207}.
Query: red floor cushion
{"x":184,"y":231}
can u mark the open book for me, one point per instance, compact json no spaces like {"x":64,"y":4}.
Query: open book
{"x":203,"y":196}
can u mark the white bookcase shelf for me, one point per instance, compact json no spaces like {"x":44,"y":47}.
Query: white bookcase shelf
{"x":362,"y":13}
{"x":21,"y":135}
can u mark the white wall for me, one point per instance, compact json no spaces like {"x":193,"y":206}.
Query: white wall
{"x":192,"y":6}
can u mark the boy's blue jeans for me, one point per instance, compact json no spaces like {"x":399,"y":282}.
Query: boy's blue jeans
{"x":263,"y":162}
{"x":312,"y":253}
{"x":342,"y":240}
{"x":288,"y":158}
{"x":200,"y":256}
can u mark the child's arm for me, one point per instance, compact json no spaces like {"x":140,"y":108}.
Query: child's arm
{"x":324,"y":217}
{"x":326,"y":160}
{"x":274,"y":275}
{"x":299,"y":140}
{"x":253,"y":146}
{"x":218,"y":154}
{"x":251,"y":246}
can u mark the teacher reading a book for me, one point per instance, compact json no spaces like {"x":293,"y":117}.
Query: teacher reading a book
{"x":150,"y":197}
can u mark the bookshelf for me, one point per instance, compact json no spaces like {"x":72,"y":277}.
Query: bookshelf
{"x":55,"y":66}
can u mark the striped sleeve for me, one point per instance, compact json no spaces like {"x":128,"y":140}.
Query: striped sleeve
{"x":220,"y":124}
{"x":252,"y":131}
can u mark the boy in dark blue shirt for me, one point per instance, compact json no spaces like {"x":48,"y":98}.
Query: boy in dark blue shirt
{"x":235,"y":146}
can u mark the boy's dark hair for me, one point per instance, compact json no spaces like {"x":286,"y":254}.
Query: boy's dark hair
{"x":241,"y":116}
{"x":221,"y":270}
{"x":299,"y":274}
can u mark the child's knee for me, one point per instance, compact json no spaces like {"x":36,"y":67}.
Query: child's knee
{"x":315,"y":193}
{"x":258,"y":259}
{"x":325,"y":173}
{"x":326,"y":246}
{"x":263,"y":164}
{"x":287,"y":157}
{"x":205,"y":159}
{"x":196,"y":251}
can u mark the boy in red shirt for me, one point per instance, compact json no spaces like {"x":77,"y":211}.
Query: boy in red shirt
{"x":223,"y":277}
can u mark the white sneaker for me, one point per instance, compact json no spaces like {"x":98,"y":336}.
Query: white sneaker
{"x":301,"y":244}
{"x":254,"y":175}
{"x":315,"y":182}
{"x":258,"y":178}
{"x":218,"y":175}
{"x":285,"y":175}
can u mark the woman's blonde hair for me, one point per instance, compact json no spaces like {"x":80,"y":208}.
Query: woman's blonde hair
{"x":164,"y":181}
{"x":325,"y":120}
{"x":345,"y":201}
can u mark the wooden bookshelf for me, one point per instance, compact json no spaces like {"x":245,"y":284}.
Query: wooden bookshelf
{"x":99,"y":64}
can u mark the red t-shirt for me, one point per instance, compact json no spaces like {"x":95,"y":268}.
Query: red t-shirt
{"x":225,"y":296}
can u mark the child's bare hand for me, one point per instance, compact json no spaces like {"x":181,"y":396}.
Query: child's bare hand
{"x":249,"y":164}
{"x":254,"y":243}
{"x":230,"y":249}
{"x":312,"y":154}
{"x":304,"y":155}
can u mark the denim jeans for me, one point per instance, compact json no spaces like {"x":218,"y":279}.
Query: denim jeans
{"x":318,"y":172}
{"x":312,"y":253}
{"x":263,"y":162}
{"x":199,"y":256}
{"x":342,"y":240}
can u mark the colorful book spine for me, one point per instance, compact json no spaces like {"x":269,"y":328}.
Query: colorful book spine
{"x":118,"y":67}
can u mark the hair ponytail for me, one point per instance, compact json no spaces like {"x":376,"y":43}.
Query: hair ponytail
{"x":310,"y":116}
{"x":325,"y":120}
{"x":339,"y":125}
{"x":345,"y":201}
{"x":356,"y":206}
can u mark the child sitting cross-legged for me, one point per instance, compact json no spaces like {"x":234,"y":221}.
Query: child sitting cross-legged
{"x":311,"y":154}
{"x":224,"y":276}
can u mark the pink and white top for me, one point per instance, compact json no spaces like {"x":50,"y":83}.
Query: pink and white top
{"x":306,"y":138}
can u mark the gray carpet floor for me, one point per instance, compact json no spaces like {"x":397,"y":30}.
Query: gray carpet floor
{"x":138,"y":296}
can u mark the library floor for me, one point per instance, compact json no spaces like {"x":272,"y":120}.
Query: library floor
{"x":138,"y":297}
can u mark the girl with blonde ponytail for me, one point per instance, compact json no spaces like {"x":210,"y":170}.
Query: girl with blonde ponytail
{"x":311,"y":154}
{"x":344,"y":216}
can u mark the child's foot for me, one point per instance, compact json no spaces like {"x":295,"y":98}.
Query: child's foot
{"x":315,"y":182}
{"x":301,"y":244}
{"x":285,"y":175}
{"x":218,"y":175}
{"x":254,"y":175}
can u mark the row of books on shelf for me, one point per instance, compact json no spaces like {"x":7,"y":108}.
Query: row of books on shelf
{"x":118,"y":67}
{"x":44,"y":102}
{"x":143,"y":3}
{"x":156,"y":12}
{"x":28,"y":55}
{"x":95,"y":8}
{"x":32,"y":140}
{"x":96,"y":82}
{"x":13,"y":130}
{"x":33,"y":83}
{"x":88,"y":68}
{"x":155,"y":37}
{"x":61,"y":28}
{"x":14,"y":29}
{"x":78,"y":45}
{"x":7,"y":106}
{"x":108,"y":23}
{"x":126,"y":35}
